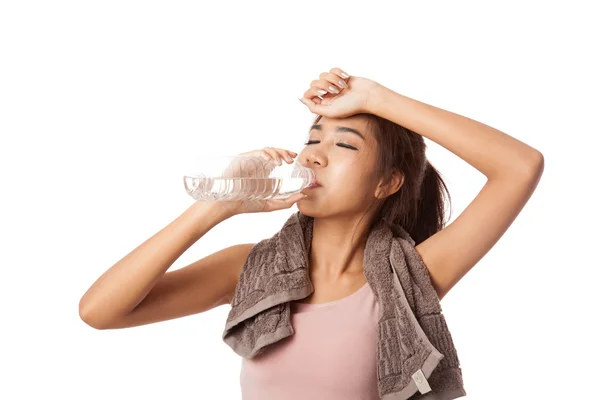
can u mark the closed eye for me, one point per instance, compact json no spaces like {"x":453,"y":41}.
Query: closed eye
{"x":347,"y":146}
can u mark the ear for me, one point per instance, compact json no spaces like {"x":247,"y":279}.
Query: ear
{"x":392,"y":186}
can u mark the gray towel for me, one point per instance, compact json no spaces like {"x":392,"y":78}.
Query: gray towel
{"x":415,"y":352}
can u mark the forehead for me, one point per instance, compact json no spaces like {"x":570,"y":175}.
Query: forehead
{"x":358,"y":122}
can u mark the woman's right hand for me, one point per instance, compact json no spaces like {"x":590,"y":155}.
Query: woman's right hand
{"x":254,"y":206}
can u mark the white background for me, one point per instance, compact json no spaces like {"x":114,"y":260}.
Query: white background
{"x":103,"y":103}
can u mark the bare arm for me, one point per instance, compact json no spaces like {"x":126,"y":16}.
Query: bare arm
{"x":452,"y":252}
{"x":513,"y":169}
{"x":492,"y":152}
{"x":127,"y":283}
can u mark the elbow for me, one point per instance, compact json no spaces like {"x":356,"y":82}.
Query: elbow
{"x":526,"y":166}
{"x":537,"y":160}
{"x":535,"y":166}
{"x":88,"y":317}
{"x":529,"y":165}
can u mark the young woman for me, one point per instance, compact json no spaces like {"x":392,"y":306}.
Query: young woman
{"x":367,"y":150}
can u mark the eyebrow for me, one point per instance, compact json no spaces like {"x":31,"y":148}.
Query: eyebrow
{"x":339,"y":129}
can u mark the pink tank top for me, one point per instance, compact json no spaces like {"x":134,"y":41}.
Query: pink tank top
{"x":331,"y":355}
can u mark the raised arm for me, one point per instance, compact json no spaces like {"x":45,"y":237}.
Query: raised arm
{"x":512,"y":167}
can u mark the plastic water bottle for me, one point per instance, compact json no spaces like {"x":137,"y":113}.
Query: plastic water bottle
{"x":220,"y":178}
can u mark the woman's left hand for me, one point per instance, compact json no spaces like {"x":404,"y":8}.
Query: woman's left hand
{"x":352,"y":97}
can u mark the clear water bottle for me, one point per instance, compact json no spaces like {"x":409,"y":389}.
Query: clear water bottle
{"x":220,"y":178}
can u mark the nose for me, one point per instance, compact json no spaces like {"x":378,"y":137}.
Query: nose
{"x":311,"y":159}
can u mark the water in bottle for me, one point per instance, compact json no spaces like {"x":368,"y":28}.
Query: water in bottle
{"x":220,"y":178}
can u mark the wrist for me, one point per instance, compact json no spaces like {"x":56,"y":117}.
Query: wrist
{"x":215,"y":210}
{"x":376,"y":98}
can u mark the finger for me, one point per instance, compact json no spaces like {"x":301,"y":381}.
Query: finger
{"x":274,"y":154}
{"x":317,"y":93}
{"x":295,"y":198}
{"x":341,"y":73}
{"x":327,"y":86}
{"x":291,"y":154}
{"x":265,"y":154}
{"x":334,"y":80}
{"x":284,"y":155}
{"x":321,"y":87}
{"x":279,"y":154}
{"x":313,"y":107}
{"x":280,"y":204}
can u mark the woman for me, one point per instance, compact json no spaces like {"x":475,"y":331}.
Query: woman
{"x":367,"y":150}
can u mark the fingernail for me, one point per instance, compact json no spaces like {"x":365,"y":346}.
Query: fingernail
{"x":344,"y":75}
{"x":321,"y":91}
{"x":333,"y":89}
{"x":343,"y":84}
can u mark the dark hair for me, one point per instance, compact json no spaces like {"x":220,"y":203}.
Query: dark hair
{"x":418,"y":206}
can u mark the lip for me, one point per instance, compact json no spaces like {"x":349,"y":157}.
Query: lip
{"x":314,"y":184}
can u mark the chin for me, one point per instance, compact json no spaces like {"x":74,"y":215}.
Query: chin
{"x":311,"y":211}
{"x":306,"y":210}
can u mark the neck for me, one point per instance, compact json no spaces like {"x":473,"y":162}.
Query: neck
{"x":334,"y":253}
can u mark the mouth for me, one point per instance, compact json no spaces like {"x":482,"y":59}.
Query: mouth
{"x":314,"y":185}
